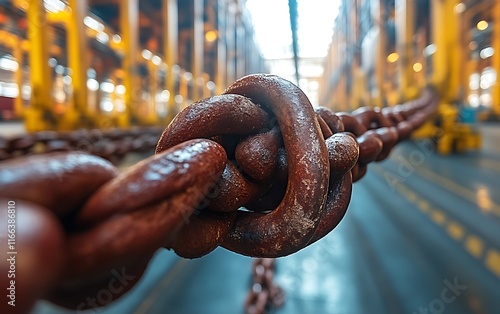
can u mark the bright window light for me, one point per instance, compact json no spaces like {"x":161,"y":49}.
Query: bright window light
{"x":146,"y":54}
{"x":10,"y":90}
{"x":107,"y":87}
{"x":8,"y":63}
{"x":120,"y":89}
{"x":94,"y":24}
{"x":273,"y":33}
{"x":107,"y":105}
{"x":430,"y":50}
{"x":54,"y":6}
{"x":156,"y":60}
{"x":92,"y":85}
{"x":103,"y":38}
{"x":487,"y":52}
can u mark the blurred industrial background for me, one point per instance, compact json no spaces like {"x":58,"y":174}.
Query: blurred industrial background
{"x":422,"y":233}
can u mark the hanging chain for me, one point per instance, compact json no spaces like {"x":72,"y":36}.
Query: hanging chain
{"x":256,"y":170}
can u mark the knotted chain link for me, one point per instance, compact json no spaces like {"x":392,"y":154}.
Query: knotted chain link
{"x":256,"y":170}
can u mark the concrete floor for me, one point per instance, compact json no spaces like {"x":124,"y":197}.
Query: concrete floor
{"x":422,"y":235}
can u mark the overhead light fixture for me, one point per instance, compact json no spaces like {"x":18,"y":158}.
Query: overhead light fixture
{"x":460,"y":8}
{"x":146,"y":54}
{"x":156,"y":60}
{"x":482,"y":25}
{"x":417,"y":67}
{"x":211,"y":36}
{"x":94,"y":24}
{"x":487,"y":52}
{"x":102,"y":38}
{"x":54,"y":6}
{"x":117,"y":39}
{"x":393,"y":57}
{"x":120,"y":89}
{"x":107,"y":87}
{"x":430,"y":50}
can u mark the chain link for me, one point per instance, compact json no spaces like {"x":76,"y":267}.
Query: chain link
{"x":112,"y":144}
{"x":264,"y":294}
{"x":256,"y":170}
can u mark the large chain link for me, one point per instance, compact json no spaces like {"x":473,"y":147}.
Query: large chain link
{"x":256,"y":170}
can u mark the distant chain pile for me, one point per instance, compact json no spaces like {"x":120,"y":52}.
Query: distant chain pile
{"x":112,"y":144}
{"x":256,"y":170}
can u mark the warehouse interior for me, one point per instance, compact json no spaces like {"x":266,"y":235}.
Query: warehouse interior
{"x":126,"y":80}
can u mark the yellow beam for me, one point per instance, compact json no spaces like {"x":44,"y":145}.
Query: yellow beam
{"x":170,"y":21}
{"x":37,"y":117}
{"x":78,"y":61}
{"x":380,"y":66}
{"x":183,"y":89}
{"x":129,"y":25}
{"x":405,"y":21}
{"x":230,"y":43}
{"x":153,"y":90}
{"x":446,"y":59}
{"x":18,"y":55}
{"x":496,"y":57}
{"x":198,"y":43}
{"x":220,"y":76}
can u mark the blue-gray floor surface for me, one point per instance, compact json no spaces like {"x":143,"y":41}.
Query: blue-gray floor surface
{"x":422,"y":235}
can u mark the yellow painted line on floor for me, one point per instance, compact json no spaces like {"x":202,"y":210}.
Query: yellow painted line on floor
{"x":455,"y":230}
{"x":438,"y":217}
{"x":474,"y":246}
{"x":493,"y":262}
{"x":457,"y":189}
{"x":411,"y":196}
{"x":424,"y":206}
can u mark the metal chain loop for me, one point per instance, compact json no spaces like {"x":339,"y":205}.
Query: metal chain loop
{"x":256,"y":170}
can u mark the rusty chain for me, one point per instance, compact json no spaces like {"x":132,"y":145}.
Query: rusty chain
{"x":256,"y":170}
{"x":110,"y":144}
{"x":264,"y":294}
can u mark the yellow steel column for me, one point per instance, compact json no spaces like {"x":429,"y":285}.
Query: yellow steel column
{"x":129,"y":25}
{"x":446,"y":64}
{"x":78,"y":62}
{"x":496,"y":58}
{"x":198,"y":43}
{"x":220,"y":76}
{"x":153,"y":90}
{"x":40,"y":115}
{"x":446,"y":59}
{"x":230,"y":44}
{"x":170,"y":25}
{"x":18,"y":55}
{"x":183,"y":89}
{"x":405,"y":21}
{"x":380,"y":66}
